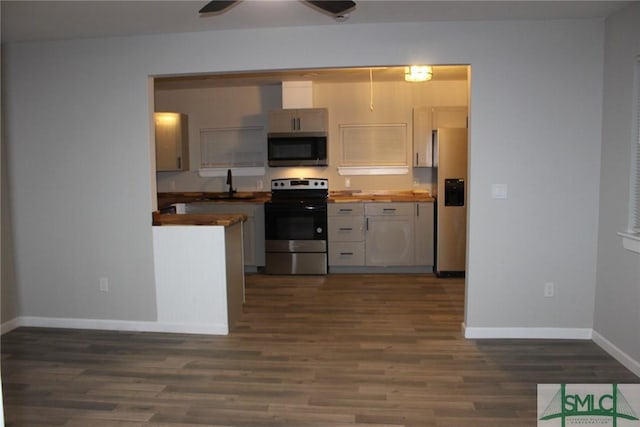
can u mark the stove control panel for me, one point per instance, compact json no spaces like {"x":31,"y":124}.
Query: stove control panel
{"x":300,"y":184}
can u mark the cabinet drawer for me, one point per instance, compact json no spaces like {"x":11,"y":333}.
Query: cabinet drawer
{"x":388,"y":209}
{"x":346,"y":229}
{"x":346,"y":253}
{"x":345,"y":209}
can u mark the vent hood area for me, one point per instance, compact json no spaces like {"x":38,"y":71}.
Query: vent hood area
{"x":297,"y":94}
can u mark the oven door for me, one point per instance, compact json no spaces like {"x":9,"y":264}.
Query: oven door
{"x":296,"y":238}
{"x":296,"y":223}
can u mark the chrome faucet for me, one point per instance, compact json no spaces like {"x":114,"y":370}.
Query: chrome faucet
{"x":230,"y":183}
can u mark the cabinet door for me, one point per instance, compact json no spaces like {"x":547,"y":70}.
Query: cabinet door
{"x":303,"y":120}
{"x":389,"y":241}
{"x":172,"y":142}
{"x":312,"y":120}
{"x":258,"y":236}
{"x":345,"y":209}
{"x":449,"y":117}
{"x":346,"y":229}
{"x":422,"y":140}
{"x":424,"y":229}
{"x":281,"y":120}
{"x":248,"y":241}
{"x":346,"y":254}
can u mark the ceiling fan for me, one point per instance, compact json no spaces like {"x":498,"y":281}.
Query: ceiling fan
{"x":334,"y":7}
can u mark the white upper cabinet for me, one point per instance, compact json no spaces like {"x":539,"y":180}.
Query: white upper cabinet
{"x":422,"y":144}
{"x":172,"y":142}
{"x":298,"y":120}
{"x":425,"y":121}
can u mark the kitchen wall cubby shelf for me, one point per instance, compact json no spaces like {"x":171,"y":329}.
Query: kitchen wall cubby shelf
{"x":241,"y":149}
{"x":373,"y":148}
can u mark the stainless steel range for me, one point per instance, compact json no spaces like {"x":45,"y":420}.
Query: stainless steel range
{"x":296,"y":226}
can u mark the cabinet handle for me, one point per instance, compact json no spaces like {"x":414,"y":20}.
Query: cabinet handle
{"x":417,"y":159}
{"x":367,"y":224}
{"x":389,"y":209}
{"x":293,"y":123}
{"x":346,"y":228}
{"x":346,"y":253}
{"x":417,"y":209}
{"x":179,"y":162}
{"x":298,"y":120}
{"x":346,"y":210}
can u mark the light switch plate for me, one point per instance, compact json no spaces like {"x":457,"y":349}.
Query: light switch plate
{"x":498,"y":191}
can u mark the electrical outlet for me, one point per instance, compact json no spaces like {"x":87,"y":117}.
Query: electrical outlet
{"x":172,"y":185}
{"x":347,"y":182}
{"x":259,"y":184}
{"x":104,"y":284}
{"x":549,"y":289}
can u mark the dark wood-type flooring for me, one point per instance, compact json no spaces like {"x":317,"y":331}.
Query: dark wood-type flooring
{"x":341,"y":350}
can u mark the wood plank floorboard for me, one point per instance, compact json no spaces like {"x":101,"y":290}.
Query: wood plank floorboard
{"x":340,"y":350}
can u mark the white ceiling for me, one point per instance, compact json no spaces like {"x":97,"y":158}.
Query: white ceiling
{"x":26,"y":20}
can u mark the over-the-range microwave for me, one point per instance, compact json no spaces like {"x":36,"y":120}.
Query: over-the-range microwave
{"x":297,"y":149}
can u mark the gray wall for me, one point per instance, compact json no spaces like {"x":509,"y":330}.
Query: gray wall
{"x":8,"y":301}
{"x":9,"y":306}
{"x":617,"y":308}
{"x":78,"y":129}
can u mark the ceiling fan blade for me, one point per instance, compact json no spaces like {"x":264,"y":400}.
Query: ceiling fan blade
{"x":334,"y":7}
{"x":216,"y":6}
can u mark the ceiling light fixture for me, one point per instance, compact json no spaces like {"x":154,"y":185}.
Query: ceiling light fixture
{"x":418,"y":73}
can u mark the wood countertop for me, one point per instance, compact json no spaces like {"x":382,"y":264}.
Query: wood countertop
{"x":167,"y":199}
{"x":380,"y":196}
{"x":198,"y":219}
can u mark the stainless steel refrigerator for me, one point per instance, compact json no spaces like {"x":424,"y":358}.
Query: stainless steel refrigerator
{"x":450,"y":159}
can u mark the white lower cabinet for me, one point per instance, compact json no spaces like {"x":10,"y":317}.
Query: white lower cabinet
{"x":346,"y":234}
{"x":389,"y":234}
{"x":381,"y":234}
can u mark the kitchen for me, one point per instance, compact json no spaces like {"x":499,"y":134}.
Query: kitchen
{"x":360,"y":103}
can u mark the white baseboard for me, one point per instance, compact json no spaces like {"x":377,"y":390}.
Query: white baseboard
{"x":627,"y":361}
{"x":9,"y":325}
{"x":555,"y":333}
{"x":527,"y":333}
{"x":115,"y":325}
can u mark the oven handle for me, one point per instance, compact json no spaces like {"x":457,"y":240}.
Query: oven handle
{"x":294,"y":209}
